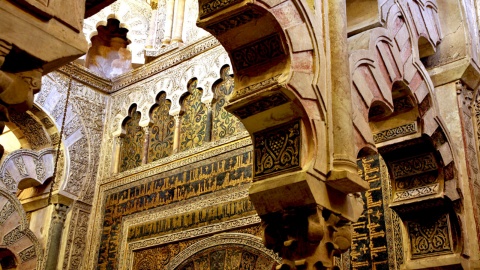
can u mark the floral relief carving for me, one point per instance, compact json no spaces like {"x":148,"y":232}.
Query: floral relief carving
{"x":224,"y":123}
{"x":193,"y":123}
{"x":277,"y":149}
{"x":132,"y":142}
{"x":430,"y":237}
{"x":162,"y":131}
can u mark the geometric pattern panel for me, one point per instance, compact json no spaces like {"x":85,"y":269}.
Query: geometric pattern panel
{"x":224,"y":123}
{"x":132,"y":142}
{"x":193,"y":127}
{"x":277,"y":149}
{"x":162,"y":130}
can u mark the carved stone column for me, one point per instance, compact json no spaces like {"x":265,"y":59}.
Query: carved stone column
{"x":176,"y":136}
{"x":208,"y":130}
{"x":56,"y":228}
{"x":152,"y":32}
{"x":146,"y":131}
{"x":117,"y":146}
{"x":178,"y":21}
{"x":343,"y":175}
{"x":168,"y":22}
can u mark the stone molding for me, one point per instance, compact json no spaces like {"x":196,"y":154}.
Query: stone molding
{"x":179,"y":159}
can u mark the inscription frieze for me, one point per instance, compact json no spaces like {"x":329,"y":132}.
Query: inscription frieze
{"x":201,"y":217}
{"x":27,"y":254}
{"x":416,"y":192}
{"x":176,"y":185}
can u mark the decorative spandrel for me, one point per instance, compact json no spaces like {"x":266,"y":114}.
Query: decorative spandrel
{"x":224,"y":123}
{"x":193,"y":126}
{"x":162,"y":131}
{"x":277,"y":149}
{"x":132,"y":143}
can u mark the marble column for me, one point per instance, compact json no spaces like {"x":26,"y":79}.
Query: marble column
{"x":56,"y":227}
{"x":146,"y":131}
{"x":152,"y":32}
{"x":176,"y":136}
{"x":343,"y":175}
{"x":178,"y":21}
{"x":168,"y":22}
{"x":209,"y":123}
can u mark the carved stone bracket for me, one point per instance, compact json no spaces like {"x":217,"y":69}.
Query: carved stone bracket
{"x":307,"y":238}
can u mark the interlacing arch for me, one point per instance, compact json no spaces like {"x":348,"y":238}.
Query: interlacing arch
{"x":396,"y":114}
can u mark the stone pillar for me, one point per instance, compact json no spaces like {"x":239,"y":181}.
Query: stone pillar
{"x":146,"y":131}
{"x":176,"y":136}
{"x":56,"y":228}
{"x":208,"y":129}
{"x":343,"y":175}
{"x":178,"y":21}
{"x":117,"y":146}
{"x":168,"y":22}
{"x":152,"y":33}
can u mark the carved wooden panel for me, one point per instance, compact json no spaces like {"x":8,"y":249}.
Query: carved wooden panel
{"x":132,"y":143}
{"x":162,"y":131}
{"x":224,"y":123}
{"x":193,"y":127}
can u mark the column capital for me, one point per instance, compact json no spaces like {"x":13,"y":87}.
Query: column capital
{"x":59,"y":213}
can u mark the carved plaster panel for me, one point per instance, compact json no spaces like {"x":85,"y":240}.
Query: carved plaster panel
{"x":27,"y":164}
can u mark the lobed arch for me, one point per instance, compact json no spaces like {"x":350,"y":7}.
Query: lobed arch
{"x":16,"y":237}
{"x":377,"y":63}
{"x":388,"y":77}
{"x":27,"y":168}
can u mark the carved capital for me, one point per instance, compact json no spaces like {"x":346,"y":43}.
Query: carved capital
{"x":60,"y":213}
{"x":17,"y":89}
{"x":306,"y":238}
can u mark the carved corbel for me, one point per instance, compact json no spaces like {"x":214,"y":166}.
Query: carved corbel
{"x":17,"y":89}
{"x":307,"y":239}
